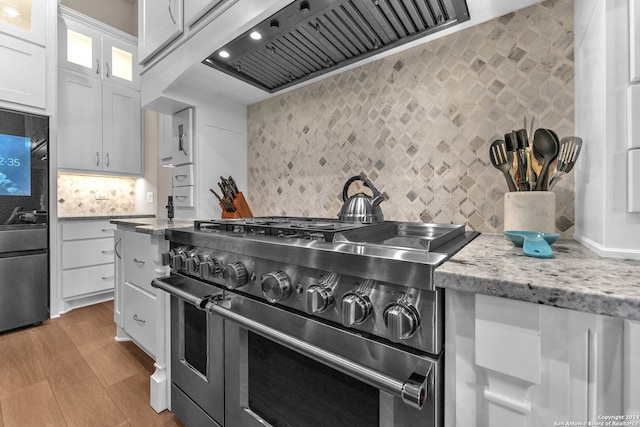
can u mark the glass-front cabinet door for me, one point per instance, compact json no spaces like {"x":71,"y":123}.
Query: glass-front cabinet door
{"x":121,"y":63}
{"x":24,"y":19}
{"x":85,"y":50}
{"x":80,"y":48}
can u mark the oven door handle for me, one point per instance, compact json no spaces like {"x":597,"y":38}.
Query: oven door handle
{"x":168,"y":284}
{"x":412,"y":391}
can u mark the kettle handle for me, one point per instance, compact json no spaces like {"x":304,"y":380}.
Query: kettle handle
{"x":377,"y":196}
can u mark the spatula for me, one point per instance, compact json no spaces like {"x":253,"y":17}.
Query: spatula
{"x":502,"y":159}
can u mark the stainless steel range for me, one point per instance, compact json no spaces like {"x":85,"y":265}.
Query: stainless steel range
{"x":308,"y":321}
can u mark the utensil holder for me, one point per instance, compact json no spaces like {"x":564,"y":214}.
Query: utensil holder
{"x":242,"y":208}
{"x":530,"y":211}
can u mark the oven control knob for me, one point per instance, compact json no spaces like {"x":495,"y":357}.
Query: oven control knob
{"x":235,"y":275}
{"x":179,"y":261}
{"x":356,"y":308}
{"x":276,"y":286}
{"x":166,"y":257}
{"x":193,"y":265}
{"x":210,"y":268}
{"x":402,"y":321}
{"x":319,"y":298}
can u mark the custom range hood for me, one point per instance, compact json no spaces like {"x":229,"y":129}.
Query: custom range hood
{"x":312,"y":37}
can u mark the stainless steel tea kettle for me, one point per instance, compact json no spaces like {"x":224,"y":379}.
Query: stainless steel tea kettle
{"x":361,"y":207}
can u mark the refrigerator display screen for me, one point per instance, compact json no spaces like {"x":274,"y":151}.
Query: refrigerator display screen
{"x":15,"y":165}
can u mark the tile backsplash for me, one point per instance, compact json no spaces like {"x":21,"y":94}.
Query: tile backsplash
{"x":419,"y":124}
{"x":77,"y":195}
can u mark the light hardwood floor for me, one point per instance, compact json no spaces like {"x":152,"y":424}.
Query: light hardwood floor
{"x":70,"y":372}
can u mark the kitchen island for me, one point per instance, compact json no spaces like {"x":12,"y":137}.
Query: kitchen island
{"x":540,"y":341}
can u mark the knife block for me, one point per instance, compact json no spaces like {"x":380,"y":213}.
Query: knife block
{"x":242,"y":208}
{"x":530,"y":211}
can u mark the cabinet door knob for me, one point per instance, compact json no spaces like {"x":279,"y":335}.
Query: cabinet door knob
{"x":97,"y":158}
{"x":139,"y":319}
{"x":97,"y":66}
{"x":106,"y":159}
{"x":138,"y":261}
{"x":107,"y":67}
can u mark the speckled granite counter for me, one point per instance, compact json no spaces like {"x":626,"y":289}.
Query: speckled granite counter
{"x":149,"y":225}
{"x":576,"y":278}
{"x":96,"y":217}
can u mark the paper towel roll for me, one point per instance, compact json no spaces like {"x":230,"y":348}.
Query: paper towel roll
{"x":530,"y":211}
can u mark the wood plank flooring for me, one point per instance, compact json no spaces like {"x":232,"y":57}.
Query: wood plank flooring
{"x":70,"y":372}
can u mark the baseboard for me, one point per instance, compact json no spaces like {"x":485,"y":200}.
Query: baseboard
{"x":608,"y":252}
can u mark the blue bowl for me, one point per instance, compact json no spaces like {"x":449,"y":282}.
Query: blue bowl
{"x":517,"y":236}
{"x":534,"y":243}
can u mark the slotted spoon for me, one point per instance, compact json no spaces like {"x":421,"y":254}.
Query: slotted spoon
{"x":569,"y":151}
{"x":502,"y":159}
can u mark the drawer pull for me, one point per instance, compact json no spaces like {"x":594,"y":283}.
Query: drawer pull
{"x":138,"y":261}
{"x":107,"y":252}
{"x":108,"y":230}
{"x":180,"y":198}
{"x":181,"y":177}
{"x":139,"y":319}
{"x":108,"y":277}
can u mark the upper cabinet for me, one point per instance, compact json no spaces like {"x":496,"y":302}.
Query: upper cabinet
{"x":99,"y":114}
{"x":196,"y":9}
{"x":24,"y":19}
{"x":159,"y":23}
{"x":90,"y":51}
{"x":22,"y":45}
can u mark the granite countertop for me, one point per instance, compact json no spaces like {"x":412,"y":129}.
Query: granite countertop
{"x":101,"y":216}
{"x":151,"y":226}
{"x":575,"y":278}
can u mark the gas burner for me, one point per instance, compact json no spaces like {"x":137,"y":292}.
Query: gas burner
{"x":321,"y":229}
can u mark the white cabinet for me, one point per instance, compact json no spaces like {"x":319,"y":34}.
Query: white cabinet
{"x":634,"y":42}
{"x":183,"y":136}
{"x":142,"y":313}
{"x":631,"y":367}
{"x":98,"y":126}
{"x":23,"y":74}
{"x":22,"y":82}
{"x":24,"y":19}
{"x":90,"y":47}
{"x":87,"y":257}
{"x":159,"y":22}
{"x":196,"y":9}
{"x":99,"y":121}
{"x":165,"y":139}
{"x":515,"y":363}
{"x":136,"y":299}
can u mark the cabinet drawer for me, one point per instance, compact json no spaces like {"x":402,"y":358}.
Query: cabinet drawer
{"x":87,"y":280}
{"x":140,"y":317}
{"x":85,"y":253}
{"x":183,"y":197}
{"x":87,"y":230}
{"x":139,"y":261}
{"x":182,"y":175}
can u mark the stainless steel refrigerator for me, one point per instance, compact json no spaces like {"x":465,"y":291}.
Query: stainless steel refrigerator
{"x":24,"y":219}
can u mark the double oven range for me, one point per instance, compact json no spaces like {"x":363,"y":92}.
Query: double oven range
{"x":307,"y":322}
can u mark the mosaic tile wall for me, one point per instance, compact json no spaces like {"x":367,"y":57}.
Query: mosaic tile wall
{"x":77,"y":195}
{"x":419,"y":124}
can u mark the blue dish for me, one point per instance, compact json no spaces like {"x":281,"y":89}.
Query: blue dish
{"x":534,"y":243}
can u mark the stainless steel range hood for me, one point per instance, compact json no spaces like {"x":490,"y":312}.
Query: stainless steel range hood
{"x":312,"y":37}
